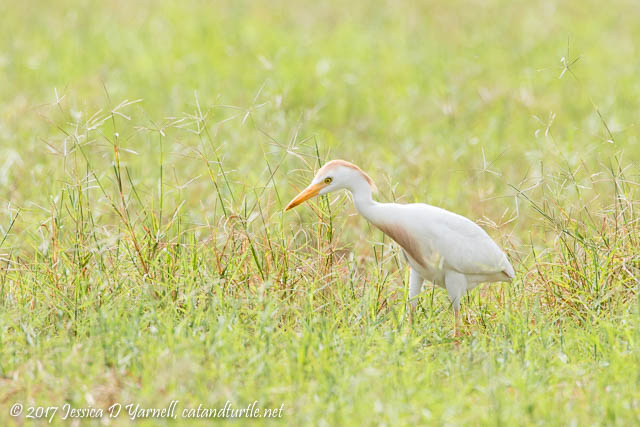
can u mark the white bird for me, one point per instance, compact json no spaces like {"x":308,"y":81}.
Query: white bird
{"x":442,"y":247}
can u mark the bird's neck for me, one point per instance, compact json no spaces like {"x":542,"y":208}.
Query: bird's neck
{"x":363,"y":200}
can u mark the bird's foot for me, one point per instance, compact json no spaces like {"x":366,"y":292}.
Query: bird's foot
{"x":411,"y":313}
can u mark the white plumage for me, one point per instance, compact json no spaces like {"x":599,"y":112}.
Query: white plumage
{"x":442,"y":247}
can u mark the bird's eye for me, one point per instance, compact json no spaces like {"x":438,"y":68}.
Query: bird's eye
{"x":328,"y":180}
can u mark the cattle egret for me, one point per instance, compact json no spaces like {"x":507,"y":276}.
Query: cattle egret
{"x":442,"y":247}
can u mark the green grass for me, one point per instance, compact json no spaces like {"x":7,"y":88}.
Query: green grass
{"x":148,"y":148}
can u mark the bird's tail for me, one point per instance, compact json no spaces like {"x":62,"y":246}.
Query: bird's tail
{"x":508,"y":270}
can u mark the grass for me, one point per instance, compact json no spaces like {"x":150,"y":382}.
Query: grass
{"x":148,"y":149}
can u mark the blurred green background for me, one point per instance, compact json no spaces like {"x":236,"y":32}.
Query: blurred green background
{"x":425,"y":96}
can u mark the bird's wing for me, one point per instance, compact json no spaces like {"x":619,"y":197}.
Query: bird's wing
{"x":464,"y":246}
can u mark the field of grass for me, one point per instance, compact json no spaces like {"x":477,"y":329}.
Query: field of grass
{"x":147,"y":149}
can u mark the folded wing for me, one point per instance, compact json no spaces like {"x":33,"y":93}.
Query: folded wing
{"x":464,"y":246}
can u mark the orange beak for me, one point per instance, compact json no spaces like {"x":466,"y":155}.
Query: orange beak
{"x":306,"y":194}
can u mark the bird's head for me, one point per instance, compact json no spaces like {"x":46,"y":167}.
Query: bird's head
{"x":334,"y":175}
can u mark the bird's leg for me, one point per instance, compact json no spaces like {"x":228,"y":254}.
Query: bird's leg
{"x":415,"y":286}
{"x":456,"y":284}
{"x":456,"y":322}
